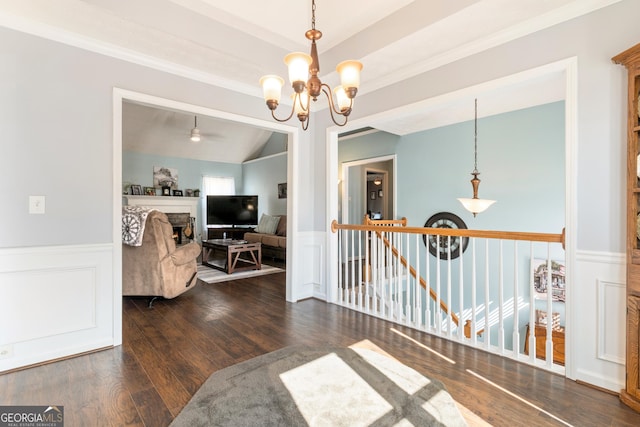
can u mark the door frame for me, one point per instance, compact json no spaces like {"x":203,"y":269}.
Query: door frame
{"x":121,"y":95}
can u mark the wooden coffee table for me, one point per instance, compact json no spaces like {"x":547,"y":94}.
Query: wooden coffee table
{"x":238,"y":255}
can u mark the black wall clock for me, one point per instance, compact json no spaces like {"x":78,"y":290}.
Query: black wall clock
{"x":458,"y":244}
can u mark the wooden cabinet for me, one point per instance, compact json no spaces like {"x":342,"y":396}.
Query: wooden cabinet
{"x":557,"y":336}
{"x":631,"y":60}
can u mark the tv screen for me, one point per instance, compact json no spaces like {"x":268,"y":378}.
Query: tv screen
{"x":232,"y":210}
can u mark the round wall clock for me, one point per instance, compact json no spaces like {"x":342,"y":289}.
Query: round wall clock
{"x":457,"y":245}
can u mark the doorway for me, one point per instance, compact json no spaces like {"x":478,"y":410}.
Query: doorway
{"x":293,"y":136}
{"x":360,"y":193}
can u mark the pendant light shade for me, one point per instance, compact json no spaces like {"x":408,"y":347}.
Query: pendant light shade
{"x":476,"y":205}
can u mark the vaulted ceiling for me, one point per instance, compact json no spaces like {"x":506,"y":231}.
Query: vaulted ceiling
{"x":233,"y":43}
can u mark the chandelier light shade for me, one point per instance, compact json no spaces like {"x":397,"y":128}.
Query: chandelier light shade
{"x":476,"y":205}
{"x":195,"y":132}
{"x":307,"y":86}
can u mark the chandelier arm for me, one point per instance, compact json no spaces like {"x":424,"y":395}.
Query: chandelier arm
{"x":273,"y":114}
{"x":331,"y":110}
{"x":327,"y":91}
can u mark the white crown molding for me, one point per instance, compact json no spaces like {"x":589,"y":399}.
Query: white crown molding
{"x":571,"y":11}
{"x":49,"y":32}
{"x":402,"y":70}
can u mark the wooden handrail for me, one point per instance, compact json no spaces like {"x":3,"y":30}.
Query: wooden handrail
{"x":403,"y":223}
{"x":488,"y":234}
{"x":388,"y":226}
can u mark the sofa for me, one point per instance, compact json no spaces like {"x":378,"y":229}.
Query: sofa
{"x":157,"y":267}
{"x":272,"y":233}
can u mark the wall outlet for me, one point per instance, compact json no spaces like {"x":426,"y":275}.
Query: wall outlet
{"x":6,"y":351}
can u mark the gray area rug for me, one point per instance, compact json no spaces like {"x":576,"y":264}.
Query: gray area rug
{"x":300,"y":386}
{"x":211,"y":275}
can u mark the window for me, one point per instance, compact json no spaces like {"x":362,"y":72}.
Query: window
{"x":218,"y":185}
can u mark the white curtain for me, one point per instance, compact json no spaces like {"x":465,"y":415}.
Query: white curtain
{"x":214,"y":185}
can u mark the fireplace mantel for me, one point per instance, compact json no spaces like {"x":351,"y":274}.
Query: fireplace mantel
{"x":168,"y":204}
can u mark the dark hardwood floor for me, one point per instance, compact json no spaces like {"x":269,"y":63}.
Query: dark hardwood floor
{"x":171,"y":349}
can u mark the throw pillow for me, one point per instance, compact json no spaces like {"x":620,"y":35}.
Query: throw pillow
{"x":268,"y":224}
{"x":282,"y":226}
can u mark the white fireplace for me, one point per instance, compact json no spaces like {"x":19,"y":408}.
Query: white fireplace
{"x":168,"y":204}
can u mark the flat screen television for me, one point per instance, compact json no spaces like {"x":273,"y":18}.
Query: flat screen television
{"x":232,"y":210}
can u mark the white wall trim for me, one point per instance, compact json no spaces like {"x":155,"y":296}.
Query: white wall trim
{"x":260,"y":159}
{"x":313,"y":277}
{"x":610,"y":314}
{"x":58,"y":301}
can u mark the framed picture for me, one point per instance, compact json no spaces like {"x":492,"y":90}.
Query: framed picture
{"x":372,"y":195}
{"x":380,"y":194}
{"x":188,"y":192}
{"x":282,"y":191}
{"x":177,"y":193}
{"x":165,"y":177}
{"x":149,"y":191}
{"x":136,"y":190}
{"x":541,"y":278}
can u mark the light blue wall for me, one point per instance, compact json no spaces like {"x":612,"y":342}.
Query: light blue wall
{"x":521,"y":159}
{"x":137,"y":168}
{"x":262,"y":177}
{"x":276,"y":144}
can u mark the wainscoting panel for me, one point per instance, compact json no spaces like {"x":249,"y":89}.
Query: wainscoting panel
{"x":51,"y":311}
{"x":598,"y":333}
{"x":311,"y":269}
{"x":611,"y":315}
{"x":54,"y":302}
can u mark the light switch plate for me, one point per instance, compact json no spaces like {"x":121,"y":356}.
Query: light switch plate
{"x":36,"y":204}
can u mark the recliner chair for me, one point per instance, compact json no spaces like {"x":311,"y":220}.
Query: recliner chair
{"x":158,"y":268}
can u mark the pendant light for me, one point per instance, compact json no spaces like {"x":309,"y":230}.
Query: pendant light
{"x":476,"y":205}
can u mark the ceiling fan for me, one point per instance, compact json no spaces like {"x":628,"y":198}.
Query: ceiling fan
{"x":196,"y":134}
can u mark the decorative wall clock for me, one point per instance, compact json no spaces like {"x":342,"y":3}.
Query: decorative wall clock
{"x":457,"y":244}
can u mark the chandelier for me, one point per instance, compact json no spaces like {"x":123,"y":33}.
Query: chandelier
{"x":476,"y":205}
{"x":303,"y":75}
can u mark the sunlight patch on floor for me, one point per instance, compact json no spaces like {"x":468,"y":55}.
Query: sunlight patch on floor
{"x":328,"y":388}
{"x":521,"y":399}
{"x":418,"y":343}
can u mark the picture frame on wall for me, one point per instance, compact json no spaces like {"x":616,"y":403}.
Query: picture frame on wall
{"x":177,"y":193}
{"x":372,"y":195}
{"x":136,"y":190}
{"x":282,"y":190}
{"x":379,"y":194}
{"x":540,"y":279}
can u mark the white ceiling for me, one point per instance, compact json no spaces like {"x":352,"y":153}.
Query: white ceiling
{"x":233,"y":43}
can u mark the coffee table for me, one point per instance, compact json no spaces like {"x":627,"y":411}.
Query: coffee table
{"x":238,"y":255}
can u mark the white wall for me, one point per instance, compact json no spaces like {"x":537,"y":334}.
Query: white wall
{"x":261,"y":177}
{"x":57,"y":133}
